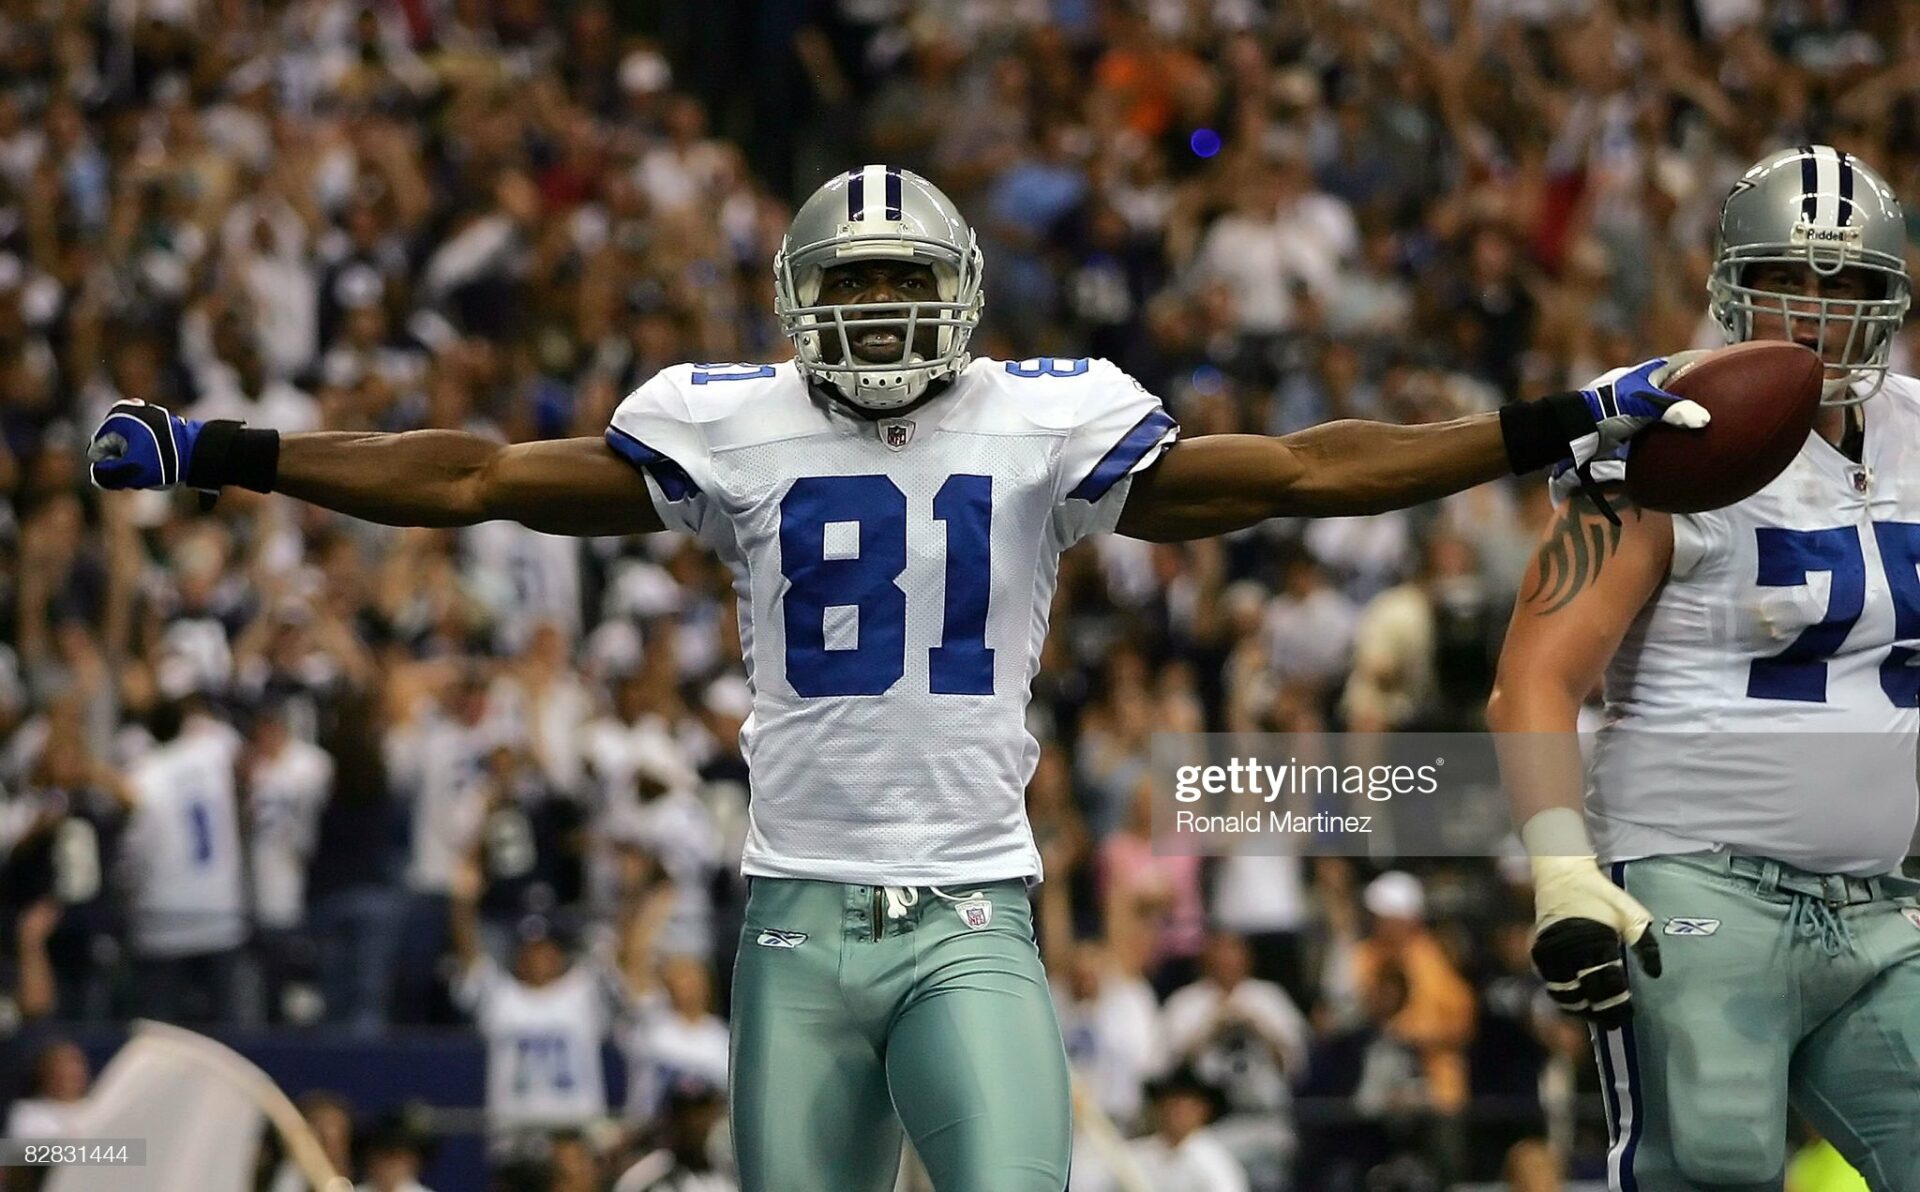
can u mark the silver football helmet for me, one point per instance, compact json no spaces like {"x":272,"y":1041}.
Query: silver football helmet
{"x":889,"y":214}
{"x":1818,"y":207}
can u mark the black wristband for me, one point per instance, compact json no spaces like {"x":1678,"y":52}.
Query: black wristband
{"x":1539,"y":433}
{"x":228,"y":452}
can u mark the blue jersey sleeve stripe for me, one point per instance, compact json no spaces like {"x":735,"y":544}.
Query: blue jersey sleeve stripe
{"x":672,"y":478}
{"x":1122,"y":456}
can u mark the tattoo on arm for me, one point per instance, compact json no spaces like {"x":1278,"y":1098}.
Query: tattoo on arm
{"x":1583,"y":539}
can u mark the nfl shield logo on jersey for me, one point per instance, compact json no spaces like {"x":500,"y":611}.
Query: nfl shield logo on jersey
{"x":896,"y":432}
{"x":1913,"y":915}
{"x":975,"y":913}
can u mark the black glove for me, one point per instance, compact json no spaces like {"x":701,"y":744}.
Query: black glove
{"x":1584,"y":966}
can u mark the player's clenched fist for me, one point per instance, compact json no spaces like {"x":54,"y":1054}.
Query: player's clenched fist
{"x":138,"y":445}
{"x":141,"y":446}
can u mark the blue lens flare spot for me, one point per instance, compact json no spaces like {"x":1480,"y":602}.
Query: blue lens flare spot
{"x":1204,"y":142}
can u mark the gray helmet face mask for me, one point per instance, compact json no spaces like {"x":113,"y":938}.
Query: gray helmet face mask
{"x":1816,"y":207}
{"x":878,"y":213}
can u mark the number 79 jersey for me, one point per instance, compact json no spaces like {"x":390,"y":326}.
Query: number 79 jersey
{"x":894,"y":580}
{"x":1795,"y":611}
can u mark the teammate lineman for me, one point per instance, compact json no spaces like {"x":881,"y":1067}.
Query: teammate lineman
{"x":1787,"y":954}
{"x":893,"y":511}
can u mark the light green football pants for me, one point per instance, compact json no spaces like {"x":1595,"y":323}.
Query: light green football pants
{"x":1778,"y":986}
{"x":857,"y":1010}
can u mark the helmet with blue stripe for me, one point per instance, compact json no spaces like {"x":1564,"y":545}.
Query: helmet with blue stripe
{"x":886,"y":214}
{"x":1817,"y":207}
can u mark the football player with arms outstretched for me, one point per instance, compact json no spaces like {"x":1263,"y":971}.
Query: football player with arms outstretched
{"x":1772,"y":949}
{"x":893,"y":512}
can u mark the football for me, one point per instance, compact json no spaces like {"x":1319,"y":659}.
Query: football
{"x":1763,"y":397}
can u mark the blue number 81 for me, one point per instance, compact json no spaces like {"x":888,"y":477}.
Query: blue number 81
{"x":867,"y":580}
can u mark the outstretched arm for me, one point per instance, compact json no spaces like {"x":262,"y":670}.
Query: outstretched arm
{"x":1217,"y":483}
{"x":419,"y":478}
{"x":1214,"y":484}
{"x":451,"y":478}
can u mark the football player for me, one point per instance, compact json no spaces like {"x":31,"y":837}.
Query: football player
{"x":1787,"y":954}
{"x":893,"y":511}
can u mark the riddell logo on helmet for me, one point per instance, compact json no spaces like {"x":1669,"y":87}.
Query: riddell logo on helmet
{"x":1806,"y":232}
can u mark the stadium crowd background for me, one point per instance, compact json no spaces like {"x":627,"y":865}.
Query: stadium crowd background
{"x":504,"y":215}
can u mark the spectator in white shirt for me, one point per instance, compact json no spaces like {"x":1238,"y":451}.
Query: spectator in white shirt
{"x":543,"y":1023}
{"x":554,"y":705}
{"x":181,"y":862}
{"x":616,"y":744}
{"x":1308,"y":631}
{"x":1246,"y":1037}
{"x":235,"y":383}
{"x":441,"y":762}
{"x":674,"y":1035}
{"x":287,"y":783}
{"x":1112,"y":1027}
{"x":1182,"y":1154}
{"x":1247,"y":251}
{"x":671,"y":823}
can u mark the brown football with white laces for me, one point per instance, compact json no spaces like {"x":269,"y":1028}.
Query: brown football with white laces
{"x":1763,"y":397}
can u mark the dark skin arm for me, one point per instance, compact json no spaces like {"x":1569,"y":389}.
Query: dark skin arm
{"x":1199,"y":488}
{"x":1217,"y":483}
{"x":451,"y":478}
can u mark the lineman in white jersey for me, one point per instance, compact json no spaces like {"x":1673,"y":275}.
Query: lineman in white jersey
{"x":1776,"y":637}
{"x":892,"y":510}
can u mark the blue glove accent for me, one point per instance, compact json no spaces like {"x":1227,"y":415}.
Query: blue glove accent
{"x":1628,"y":402}
{"x":141,"y":446}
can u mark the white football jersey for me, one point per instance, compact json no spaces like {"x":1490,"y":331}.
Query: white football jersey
{"x":287,"y":794}
{"x":1795,"y":611}
{"x":662,"y":1048}
{"x":894,"y":579}
{"x":524,"y":577}
{"x":543,"y":1044}
{"x":441,"y":765}
{"x":181,"y":850}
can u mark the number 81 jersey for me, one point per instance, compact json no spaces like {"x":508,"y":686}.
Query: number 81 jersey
{"x":894,"y":579}
{"x":1795,"y":611}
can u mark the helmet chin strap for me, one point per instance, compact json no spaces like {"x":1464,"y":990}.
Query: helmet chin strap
{"x":832,"y":392}
{"x":860,"y":383}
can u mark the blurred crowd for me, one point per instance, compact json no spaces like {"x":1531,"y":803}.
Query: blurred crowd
{"x":264,"y":765}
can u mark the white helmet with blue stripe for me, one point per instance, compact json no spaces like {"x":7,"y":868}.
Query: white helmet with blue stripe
{"x":888,"y":214}
{"x":1818,"y":207}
